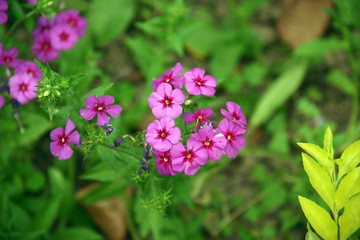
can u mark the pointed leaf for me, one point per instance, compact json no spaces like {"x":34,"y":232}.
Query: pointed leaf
{"x":321,"y":156}
{"x":350,"y":158}
{"x":319,"y":179}
{"x":348,"y":187}
{"x":328,"y":142}
{"x":319,"y":219}
{"x":108,"y":156}
{"x":310,"y":235}
{"x":349,"y":222}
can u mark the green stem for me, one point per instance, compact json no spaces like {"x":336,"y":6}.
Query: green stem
{"x":335,"y":211}
{"x":127,"y":153}
{"x":129,"y":218}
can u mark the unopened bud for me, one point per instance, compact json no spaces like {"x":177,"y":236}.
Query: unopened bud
{"x":46,"y":93}
{"x":187,"y":102}
{"x":57,"y":93}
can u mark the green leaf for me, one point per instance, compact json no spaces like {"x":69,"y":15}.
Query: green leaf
{"x":35,"y":126}
{"x":102,"y":172}
{"x":310,"y":235}
{"x":321,"y":156}
{"x":105,"y":191}
{"x":328,"y":142}
{"x":57,"y":181}
{"x":277,"y":94}
{"x":318,"y":47}
{"x":319,"y":219}
{"x":76,"y":233}
{"x":99,"y":91}
{"x":108,"y":19}
{"x":349,"y":222}
{"x":338,"y":79}
{"x":45,"y":217}
{"x":348,"y":187}
{"x":319,"y":179}
{"x":107,"y":155}
{"x":350,"y":158}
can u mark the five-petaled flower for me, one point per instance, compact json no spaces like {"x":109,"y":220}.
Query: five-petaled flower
{"x":162,"y":134}
{"x":163,"y":163}
{"x":196,"y":82}
{"x":101,"y":107}
{"x":74,"y":20}
{"x":8,"y":57}
{"x":165,"y":101}
{"x":60,"y":146}
{"x":29,"y":68}
{"x":63,"y":37}
{"x":43,"y":48}
{"x":199,"y":116}
{"x":22,"y":87}
{"x":234,"y":114}
{"x":171,"y":76}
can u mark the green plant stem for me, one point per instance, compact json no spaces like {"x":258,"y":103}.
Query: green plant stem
{"x":127,"y":153}
{"x":335,"y":211}
{"x":129,"y":219}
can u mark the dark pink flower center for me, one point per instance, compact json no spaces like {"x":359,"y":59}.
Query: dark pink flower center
{"x":72,"y":22}
{"x":30,"y":72}
{"x":100,"y":107}
{"x":235,"y":116}
{"x":23,"y":87}
{"x":46,"y":46}
{"x":167,"y":102}
{"x":165,"y":159}
{"x":229,"y":136}
{"x":64,"y":36}
{"x":162,"y":134}
{"x":7,"y":59}
{"x":62,"y":140}
{"x":199,"y":82}
{"x":189,"y":156}
{"x":208,"y":144}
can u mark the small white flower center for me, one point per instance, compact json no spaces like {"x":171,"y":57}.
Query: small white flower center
{"x":188,"y":155}
{"x":167,"y":80}
{"x":163,"y":135}
{"x":62,"y":140}
{"x":198,"y":83}
{"x":167,"y":102}
{"x":228,"y":137}
{"x":100,"y":108}
{"x":207,"y":143}
{"x":166,"y":159}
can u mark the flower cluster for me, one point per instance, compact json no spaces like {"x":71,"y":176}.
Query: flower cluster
{"x":206,"y":143}
{"x":56,"y":34}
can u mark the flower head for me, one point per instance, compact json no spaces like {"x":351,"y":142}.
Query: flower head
{"x":162,"y":134}
{"x":29,"y":68}
{"x":2,"y":101}
{"x":171,"y":76}
{"x":9,"y":57}
{"x":22,"y":88}
{"x":44,"y":25}
{"x":188,"y":160}
{"x":61,"y":139}
{"x":234,"y":113}
{"x":43,"y":48}
{"x":101,"y":107}
{"x":196,"y":82}
{"x":165,"y":102}
{"x":163,"y":163}
{"x":199,"y":116}
{"x":63,"y":37}
{"x":213,"y":143}
{"x":74,"y":20}
{"x":234,"y":136}
{"x":3,"y":7}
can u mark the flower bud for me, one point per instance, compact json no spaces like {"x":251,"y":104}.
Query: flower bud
{"x":46,"y":93}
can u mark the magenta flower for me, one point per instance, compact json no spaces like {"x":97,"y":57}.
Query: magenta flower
{"x":171,"y":76}
{"x":44,"y":25}
{"x":9,"y":57}
{"x":234,"y":114}
{"x":2,"y":101}
{"x":163,"y":163}
{"x":162,"y":134}
{"x":188,"y":160}
{"x":196,"y":82}
{"x":63,"y":37}
{"x":22,"y":88}
{"x":101,"y":107}
{"x":199,"y":116}
{"x":74,"y":20}
{"x":165,"y":102}
{"x":3,"y":7}
{"x":60,"y":147}
{"x":29,"y":68}
{"x":43,"y":48}
{"x":33,"y":2}
{"x":234,"y":136}
{"x":212,"y":142}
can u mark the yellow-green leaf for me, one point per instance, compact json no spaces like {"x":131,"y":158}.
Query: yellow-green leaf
{"x":350,"y":158}
{"x":321,"y":156}
{"x":348,"y":187}
{"x":349,"y":222}
{"x":319,"y":219}
{"x":328,"y":142}
{"x":319,"y":179}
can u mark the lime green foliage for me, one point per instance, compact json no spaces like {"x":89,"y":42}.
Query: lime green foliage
{"x":338,"y":186}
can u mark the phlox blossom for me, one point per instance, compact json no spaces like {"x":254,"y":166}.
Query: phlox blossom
{"x":9,"y":57}
{"x":63,"y":37}
{"x":29,"y":68}
{"x":43,"y":48}
{"x":199,"y":116}
{"x":43,"y":25}
{"x":161,"y":135}
{"x":3,"y":7}
{"x":165,"y":101}
{"x":74,"y":20}
{"x":234,"y":136}
{"x":33,"y":2}
{"x":234,"y":113}
{"x":171,"y":76}
{"x":60,"y":146}
{"x":163,"y":163}
{"x":100,"y":106}
{"x":188,"y":160}
{"x":22,"y":88}
{"x":196,"y":82}
{"x":211,"y":141}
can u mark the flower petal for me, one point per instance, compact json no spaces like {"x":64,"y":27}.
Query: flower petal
{"x":56,"y":133}
{"x":189,"y":118}
{"x":191,"y":168}
{"x":102,"y":119}
{"x":74,"y":138}
{"x":87,"y":113}
{"x":174,"y":135}
{"x":207,"y":91}
{"x":65,"y":152}
{"x":69,"y":127}
{"x":114,"y":110}
{"x":91,"y":101}
{"x":106,"y":100}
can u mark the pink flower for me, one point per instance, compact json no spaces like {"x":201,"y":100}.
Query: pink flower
{"x":171,"y":76}
{"x":235,"y":114}
{"x":163,"y":163}
{"x":2,"y":101}
{"x":63,"y":37}
{"x":33,"y":2}
{"x":162,"y":134}
{"x":190,"y":159}
{"x":43,"y":48}
{"x":100,"y":106}
{"x":165,"y":102}
{"x":29,"y":68}
{"x":233,"y":134}
{"x":44,"y":25}
{"x":60,"y":147}
{"x":212,"y":142}
{"x":3,"y":7}
{"x":9,"y":57}
{"x":22,"y":88}
{"x":74,"y":20}
{"x":196,"y":82}
{"x":199,"y":116}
